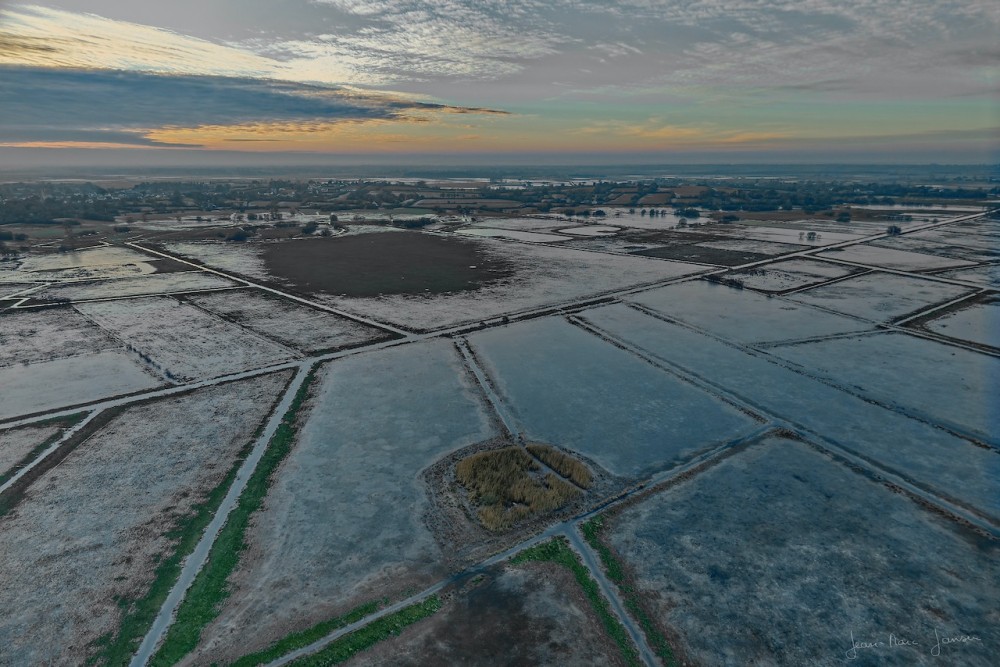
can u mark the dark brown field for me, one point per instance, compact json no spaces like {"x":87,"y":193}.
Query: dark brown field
{"x":386,"y":263}
{"x":533,"y":614}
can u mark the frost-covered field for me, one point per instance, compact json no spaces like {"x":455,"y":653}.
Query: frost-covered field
{"x":933,"y":459}
{"x":621,"y":217}
{"x":546,"y":276}
{"x":27,"y":336}
{"x":944,"y":384}
{"x":977,"y":323}
{"x":92,"y":530}
{"x":47,"y":385}
{"x":18,"y":443}
{"x":888,"y":258}
{"x":779,"y":542}
{"x":92,"y":263}
{"x":183,"y":340}
{"x":880,"y":296}
{"x":761,"y":247}
{"x":987,"y":275}
{"x":795,"y":236}
{"x":569,"y":388}
{"x":590,"y":230}
{"x":539,"y":224}
{"x":982,"y":235}
{"x":790,"y":274}
{"x":912,"y":243}
{"x":514,"y":235}
{"x":742,"y":315}
{"x":16,"y":289}
{"x":242,"y":258}
{"x":342,"y":522}
{"x":287,"y":322}
{"x":163,"y":283}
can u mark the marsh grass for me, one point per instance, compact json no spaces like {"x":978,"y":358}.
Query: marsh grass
{"x":562,"y":463}
{"x":507,"y":486}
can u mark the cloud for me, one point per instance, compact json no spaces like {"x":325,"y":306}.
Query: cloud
{"x":127,"y":107}
{"x":42,"y":37}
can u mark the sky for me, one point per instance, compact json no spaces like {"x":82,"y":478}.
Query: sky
{"x":890,"y":81}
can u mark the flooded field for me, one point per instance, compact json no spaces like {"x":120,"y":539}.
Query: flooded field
{"x":880,"y":297}
{"x":807,"y":564}
{"x":568,"y":387}
{"x":344,"y":512}
{"x":480,"y":438}
{"x":740,"y":315}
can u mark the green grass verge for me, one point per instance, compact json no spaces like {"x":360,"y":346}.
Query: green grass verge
{"x":204,"y":598}
{"x":380,"y":629}
{"x":302,"y":639}
{"x":557,"y":551}
{"x":616,"y":572}
{"x":138,"y":615}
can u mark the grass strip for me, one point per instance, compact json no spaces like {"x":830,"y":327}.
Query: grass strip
{"x":378,"y":630}
{"x":204,"y":598}
{"x":616,"y":572}
{"x":138,"y":615}
{"x":305,"y":638}
{"x":557,"y":551}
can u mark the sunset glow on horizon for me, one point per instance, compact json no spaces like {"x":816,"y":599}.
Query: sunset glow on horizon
{"x":902,"y":81}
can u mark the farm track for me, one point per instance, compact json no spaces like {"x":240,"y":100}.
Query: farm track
{"x":197,"y":558}
{"x":568,"y":528}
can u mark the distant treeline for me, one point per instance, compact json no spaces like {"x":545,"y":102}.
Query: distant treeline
{"x":36,"y":211}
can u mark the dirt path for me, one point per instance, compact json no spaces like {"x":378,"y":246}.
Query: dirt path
{"x":196,"y":560}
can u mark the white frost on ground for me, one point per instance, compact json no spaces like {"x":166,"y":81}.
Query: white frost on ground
{"x":621,"y":217}
{"x":27,"y":336}
{"x":102,"y":262}
{"x":95,"y":527}
{"x":977,"y":323}
{"x":532,"y":237}
{"x":987,"y":275}
{"x":779,"y":542}
{"x":796,"y":236}
{"x":590,"y":230}
{"x":929,"y":456}
{"x":569,"y":388}
{"x":17,"y":443}
{"x":540,"y":224}
{"x":880,"y":296}
{"x":161,"y":283}
{"x":983,"y":235}
{"x":546,"y":276}
{"x":292,"y":324}
{"x":356,"y":229}
{"x":955,"y":386}
{"x":760,"y":247}
{"x":911,"y":243}
{"x":55,"y":384}
{"x":888,"y":258}
{"x":12,"y":289}
{"x":741,"y":315}
{"x":242,"y":258}
{"x":790,"y":274}
{"x":342,"y":524}
{"x":183,"y":340}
